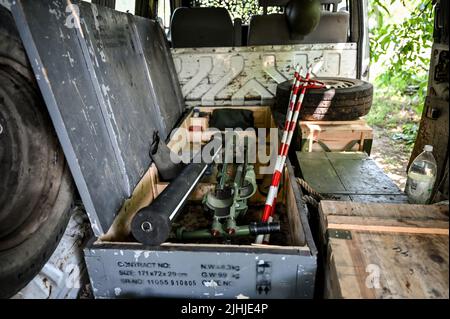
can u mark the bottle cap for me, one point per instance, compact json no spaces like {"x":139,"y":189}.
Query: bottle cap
{"x":196,"y":112}
{"x":428,"y":148}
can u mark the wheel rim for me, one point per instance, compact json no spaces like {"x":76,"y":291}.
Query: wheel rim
{"x":337,"y":84}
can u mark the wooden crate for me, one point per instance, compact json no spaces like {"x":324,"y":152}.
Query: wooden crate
{"x":319,"y":136}
{"x":385,"y":250}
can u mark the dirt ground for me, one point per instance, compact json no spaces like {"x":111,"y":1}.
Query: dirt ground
{"x":392,"y":156}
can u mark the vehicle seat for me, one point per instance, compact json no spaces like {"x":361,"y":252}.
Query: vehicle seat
{"x":333,"y":28}
{"x":270,"y":29}
{"x":203,"y":27}
{"x":273,"y":29}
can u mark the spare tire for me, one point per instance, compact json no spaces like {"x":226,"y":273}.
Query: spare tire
{"x":36,"y":187}
{"x":343,"y":100}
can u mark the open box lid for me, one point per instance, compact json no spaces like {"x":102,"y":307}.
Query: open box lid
{"x":109,"y":82}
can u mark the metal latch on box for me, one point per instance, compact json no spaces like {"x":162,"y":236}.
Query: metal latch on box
{"x":339,"y":234}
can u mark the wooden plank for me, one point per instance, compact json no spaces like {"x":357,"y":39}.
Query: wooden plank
{"x":323,"y":126}
{"x":345,"y":131}
{"x":395,"y":211}
{"x":360,"y":121}
{"x":375,"y":221}
{"x":390,"y":229}
{"x":298,"y":236}
{"x":336,"y":135}
{"x":395,"y":250}
{"x":388,"y":265}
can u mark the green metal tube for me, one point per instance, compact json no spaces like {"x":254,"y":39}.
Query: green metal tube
{"x":206,"y":233}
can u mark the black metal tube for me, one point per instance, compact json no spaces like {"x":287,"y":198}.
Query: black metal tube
{"x":252,"y":229}
{"x":152,"y":224}
{"x":264,"y":228}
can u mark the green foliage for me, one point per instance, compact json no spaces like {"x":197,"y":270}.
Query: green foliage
{"x":401,"y":36}
{"x":403,"y":44}
{"x":409,"y":133}
{"x":397,"y":116}
{"x":237,"y":9}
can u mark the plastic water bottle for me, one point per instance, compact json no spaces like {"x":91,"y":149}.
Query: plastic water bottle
{"x":421,"y":177}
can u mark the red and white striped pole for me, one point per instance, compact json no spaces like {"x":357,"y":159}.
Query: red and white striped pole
{"x":290,"y":112}
{"x":291,"y":120}
{"x":292,"y":99}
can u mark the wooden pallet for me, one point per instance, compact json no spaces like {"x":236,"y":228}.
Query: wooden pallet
{"x":385,"y":250}
{"x":320,"y":136}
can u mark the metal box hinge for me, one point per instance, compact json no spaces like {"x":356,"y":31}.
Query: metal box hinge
{"x":339,"y":234}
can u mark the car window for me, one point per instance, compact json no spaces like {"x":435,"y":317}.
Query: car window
{"x":238,"y":9}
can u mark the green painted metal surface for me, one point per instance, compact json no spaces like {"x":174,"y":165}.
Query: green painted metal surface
{"x":348,"y":176}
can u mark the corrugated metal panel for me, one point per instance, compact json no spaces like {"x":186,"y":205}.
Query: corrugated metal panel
{"x":249,"y":75}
